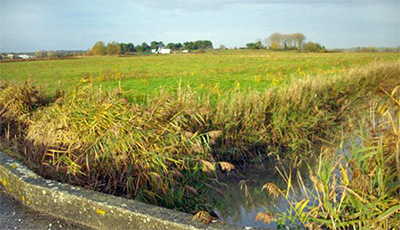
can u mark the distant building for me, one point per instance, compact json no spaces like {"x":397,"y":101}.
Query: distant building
{"x":10,"y":56}
{"x":185,"y":51}
{"x":24,"y":56}
{"x":164,"y":51}
{"x":161,"y":50}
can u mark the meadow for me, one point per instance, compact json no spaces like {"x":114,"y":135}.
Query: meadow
{"x":207,"y":115}
{"x":218,"y":72}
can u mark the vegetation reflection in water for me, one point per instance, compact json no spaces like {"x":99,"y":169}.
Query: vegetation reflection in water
{"x":356,"y":184}
{"x":244,"y":196}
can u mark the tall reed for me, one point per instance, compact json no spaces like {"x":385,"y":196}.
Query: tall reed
{"x":167,"y":151}
{"x":358,"y":189}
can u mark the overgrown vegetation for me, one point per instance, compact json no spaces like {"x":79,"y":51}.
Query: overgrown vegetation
{"x":166,"y":151}
{"x":358,"y":189}
{"x":99,"y":140}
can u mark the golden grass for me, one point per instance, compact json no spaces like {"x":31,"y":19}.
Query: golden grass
{"x":358,"y":190}
{"x":165,"y":151}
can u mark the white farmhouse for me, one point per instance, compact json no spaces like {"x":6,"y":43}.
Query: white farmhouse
{"x":23,"y":56}
{"x":10,"y":56}
{"x":164,"y":51}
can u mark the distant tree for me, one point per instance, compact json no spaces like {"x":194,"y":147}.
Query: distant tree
{"x":117,"y":48}
{"x":171,"y":46}
{"x":127,"y":48}
{"x":251,"y":45}
{"x":255,"y":45}
{"x":274,"y":40}
{"x":98,"y":48}
{"x":367,"y":49}
{"x":113,"y":48}
{"x":274,"y":45}
{"x":286,"y":41}
{"x":51,"y":54}
{"x":138,"y":48}
{"x":299,"y":38}
{"x":259,"y":45}
{"x":143,"y":48}
{"x":110,"y":49}
{"x":222,"y":47}
{"x":155,"y":44}
{"x":290,"y":41}
{"x":123,"y":47}
{"x":61,"y":53}
{"x":174,"y":46}
{"x":178,"y":46}
{"x":40,"y":54}
{"x":205,"y":44}
{"x":130,"y":48}
{"x":188,"y":45}
{"x":200,"y":44}
{"x":313,"y":47}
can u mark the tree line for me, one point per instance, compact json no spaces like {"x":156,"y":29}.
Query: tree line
{"x":286,"y":41}
{"x":294,"y":41}
{"x":114,"y":48}
{"x":58,"y":53}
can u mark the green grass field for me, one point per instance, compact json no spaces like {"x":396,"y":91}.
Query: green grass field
{"x":216,"y":72}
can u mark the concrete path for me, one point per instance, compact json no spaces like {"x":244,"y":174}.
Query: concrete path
{"x":13,"y":215}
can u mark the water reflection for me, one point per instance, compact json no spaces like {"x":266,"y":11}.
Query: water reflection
{"x":243,"y":198}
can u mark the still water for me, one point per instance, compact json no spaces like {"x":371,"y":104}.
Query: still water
{"x":243,"y":198}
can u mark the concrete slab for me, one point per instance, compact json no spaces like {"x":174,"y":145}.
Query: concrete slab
{"x":14,"y":215}
{"x":90,"y":208}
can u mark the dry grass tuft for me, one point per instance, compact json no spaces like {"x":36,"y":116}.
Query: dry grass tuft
{"x":265,"y":217}
{"x":226,"y":166}
{"x":203,"y":217}
{"x":272,"y":189}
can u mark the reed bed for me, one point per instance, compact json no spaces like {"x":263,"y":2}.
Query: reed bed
{"x":354,"y":189}
{"x":168,"y":149}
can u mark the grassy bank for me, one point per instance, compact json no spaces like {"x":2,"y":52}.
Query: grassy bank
{"x":167,"y":151}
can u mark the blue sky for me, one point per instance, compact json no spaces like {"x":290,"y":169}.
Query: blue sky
{"x":31,"y":25}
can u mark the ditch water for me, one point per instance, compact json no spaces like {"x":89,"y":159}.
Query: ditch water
{"x":243,"y":198}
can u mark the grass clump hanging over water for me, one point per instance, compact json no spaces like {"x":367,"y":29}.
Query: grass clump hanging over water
{"x":166,"y":151}
{"x":358,"y":188}
{"x":99,"y":140}
{"x":149,"y":152}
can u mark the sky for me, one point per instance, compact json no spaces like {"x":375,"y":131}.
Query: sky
{"x":32,"y":25}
